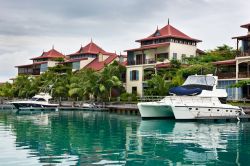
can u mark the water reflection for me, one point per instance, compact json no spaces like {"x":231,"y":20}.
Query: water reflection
{"x":198,"y":143}
{"x":91,"y":138}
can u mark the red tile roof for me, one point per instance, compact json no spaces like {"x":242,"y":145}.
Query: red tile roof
{"x":97,"y":65}
{"x":151,"y":46}
{"x":225,"y":62}
{"x":73,"y":60}
{"x":123,"y":63}
{"x":124,"y":56}
{"x":199,"y":51}
{"x":30,"y":65}
{"x":90,"y":48}
{"x":167,"y":32}
{"x":163,"y":65}
{"x":50,"y":54}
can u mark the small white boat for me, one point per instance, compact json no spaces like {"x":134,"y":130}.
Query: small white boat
{"x":39,"y":101}
{"x":198,"y":97}
{"x":88,"y":105}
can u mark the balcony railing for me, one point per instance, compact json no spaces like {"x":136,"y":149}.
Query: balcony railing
{"x":140,"y":62}
{"x":35,"y":72}
{"x":244,"y":53}
{"x":229,"y":75}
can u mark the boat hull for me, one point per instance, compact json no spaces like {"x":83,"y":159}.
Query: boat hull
{"x":190,"y":112}
{"x":33,"y":105}
{"x":155,"y":110}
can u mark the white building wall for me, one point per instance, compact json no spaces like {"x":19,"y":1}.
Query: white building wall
{"x":150,"y":54}
{"x":136,"y":83}
{"x":84,"y":63}
{"x":52,"y":63}
{"x":188,"y":50}
{"x":102,"y":57}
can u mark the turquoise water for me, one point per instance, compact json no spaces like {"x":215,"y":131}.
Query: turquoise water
{"x":91,"y":138}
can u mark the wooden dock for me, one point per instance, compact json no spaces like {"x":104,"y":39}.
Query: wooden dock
{"x":6,"y":106}
{"x":81,"y":109}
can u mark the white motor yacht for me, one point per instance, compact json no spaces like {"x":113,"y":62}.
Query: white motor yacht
{"x":40,"y":100}
{"x":197,"y":97}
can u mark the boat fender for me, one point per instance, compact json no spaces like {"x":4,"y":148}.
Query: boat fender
{"x":238,"y":118}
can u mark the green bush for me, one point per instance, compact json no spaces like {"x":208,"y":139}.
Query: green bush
{"x":125,"y":97}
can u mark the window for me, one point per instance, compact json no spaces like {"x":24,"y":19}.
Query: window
{"x":134,"y":90}
{"x":40,"y":99}
{"x":183,"y":58}
{"x":162,"y":56}
{"x":76,"y":65}
{"x":43,"y":67}
{"x":134,"y":75}
{"x":174,"y":56}
{"x":157,"y":33}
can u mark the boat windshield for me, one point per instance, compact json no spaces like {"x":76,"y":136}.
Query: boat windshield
{"x":37,"y":99}
{"x":200,"y":80}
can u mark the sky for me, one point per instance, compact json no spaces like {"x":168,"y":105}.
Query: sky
{"x":29,"y":27}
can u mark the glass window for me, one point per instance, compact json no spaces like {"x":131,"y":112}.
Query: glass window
{"x":174,"y":56}
{"x":134,"y":75}
{"x":162,"y":56}
{"x":76,"y":65}
{"x":200,"y":80}
{"x":43,"y":67}
{"x":183,"y":57}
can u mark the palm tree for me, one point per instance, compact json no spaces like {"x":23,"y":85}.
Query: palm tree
{"x":157,"y":85}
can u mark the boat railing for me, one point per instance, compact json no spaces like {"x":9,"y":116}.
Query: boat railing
{"x":187,"y":99}
{"x":150,"y":98}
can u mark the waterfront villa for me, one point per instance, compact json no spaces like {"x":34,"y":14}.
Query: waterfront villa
{"x":92,"y":56}
{"x":154,"y":53}
{"x":233,"y":70}
{"x":41,"y":63}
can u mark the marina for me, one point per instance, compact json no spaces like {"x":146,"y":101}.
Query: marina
{"x":131,"y":83}
{"x":100,"y":138}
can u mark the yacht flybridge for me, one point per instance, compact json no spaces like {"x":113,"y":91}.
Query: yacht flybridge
{"x":40,"y":100}
{"x":197,"y":98}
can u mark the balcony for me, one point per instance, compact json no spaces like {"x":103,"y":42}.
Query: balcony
{"x":141,"y":62}
{"x":244,"y":53}
{"x":232,"y":75}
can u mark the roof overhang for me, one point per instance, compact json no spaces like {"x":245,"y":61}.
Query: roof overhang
{"x":74,"y":60}
{"x":33,"y":64}
{"x":168,"y":36}
{"x":147,"y":47}
{"x":242,"y":37}
{"x":245,"y":25}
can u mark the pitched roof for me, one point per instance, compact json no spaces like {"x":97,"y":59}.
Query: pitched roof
{"x":151,"y":46}
{"x":50,"y":54}
{"x":167,"y":32}
{"x":163,"y":65}
{"x":242,"y":37}
{"x":97,"y":65}
{"x":123,"y":63}
{"x":199,"y":51}
{"x":90,"y":48}
{"x":73,"y":60}
{"x":30,"y":65}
